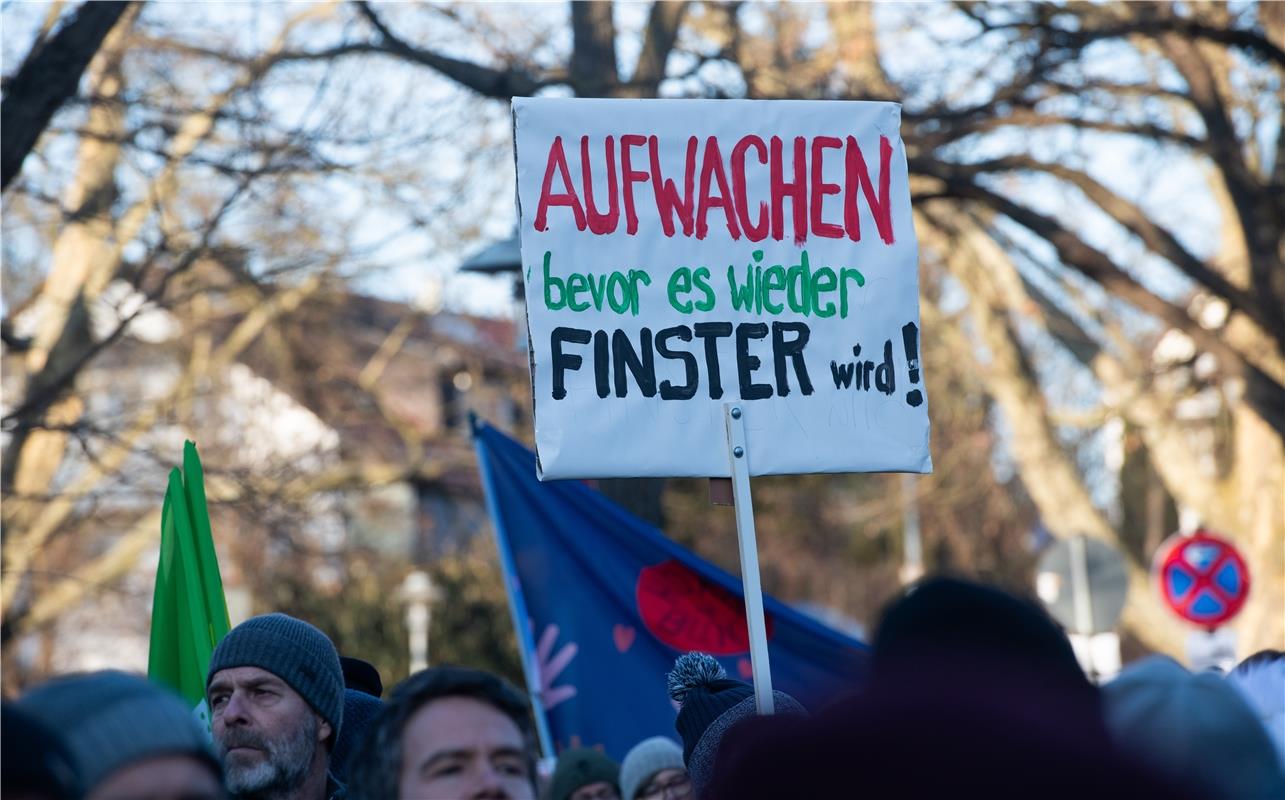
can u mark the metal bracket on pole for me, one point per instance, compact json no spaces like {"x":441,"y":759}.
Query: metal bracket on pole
{"x":738,"y":454}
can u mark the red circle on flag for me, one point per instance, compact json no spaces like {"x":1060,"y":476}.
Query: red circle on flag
{"x":1202,"y":578}
{"x":688,"y":612}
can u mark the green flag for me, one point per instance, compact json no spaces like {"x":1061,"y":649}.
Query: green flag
{"x":189,"y":612}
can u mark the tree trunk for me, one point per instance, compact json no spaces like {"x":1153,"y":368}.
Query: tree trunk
{"x":83,"y":246}
{"x":1258,"y":526}
{"x":594,"y":72}
{"x":1050,"y":476}
{"x":47,"y":78}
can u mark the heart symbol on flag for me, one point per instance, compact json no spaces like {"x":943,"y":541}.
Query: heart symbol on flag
{"x":687,"y":612}
{"x":624,"y":636}
{"x":744,"y":667}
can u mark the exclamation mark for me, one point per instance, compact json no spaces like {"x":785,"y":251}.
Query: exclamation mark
{"x":910,"y":338}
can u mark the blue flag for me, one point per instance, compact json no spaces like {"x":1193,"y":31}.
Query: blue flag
{"x":605,"y":603}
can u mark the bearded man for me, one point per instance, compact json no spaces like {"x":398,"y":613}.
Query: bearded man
{"x":276,"y":695}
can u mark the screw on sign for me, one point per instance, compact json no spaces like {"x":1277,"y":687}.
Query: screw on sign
{"x":1202,"y":578}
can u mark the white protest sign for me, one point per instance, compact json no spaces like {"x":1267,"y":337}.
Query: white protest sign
{"x":681,"y":254}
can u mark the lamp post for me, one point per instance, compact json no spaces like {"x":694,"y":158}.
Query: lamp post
{"x":418,"y":592}
{"x":504,"y":258}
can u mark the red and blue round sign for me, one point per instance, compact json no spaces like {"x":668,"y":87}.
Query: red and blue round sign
{"x":1202,"y":577}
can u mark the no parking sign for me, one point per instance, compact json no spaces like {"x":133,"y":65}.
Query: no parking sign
{"x":1202,"y":578}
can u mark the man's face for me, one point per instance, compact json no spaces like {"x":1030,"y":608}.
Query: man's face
{"x":161,"y":778}
{"x":463,"y":748}
{"x":265,"y":732}
{"x":600,"y":790}
{"x":666,"y":784}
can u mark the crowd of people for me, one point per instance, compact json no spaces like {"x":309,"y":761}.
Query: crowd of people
{"x":971,"y":692}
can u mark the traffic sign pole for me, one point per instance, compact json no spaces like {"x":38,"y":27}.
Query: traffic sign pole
{"x":1083,"y":583}
{"x":1080,"y":596}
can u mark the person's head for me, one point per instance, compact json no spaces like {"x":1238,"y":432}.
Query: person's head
{"x":974,"y":628}
{"x":1260,"y":679}
{"x":36,"y":762}
{"x":129,"y":739}
{"x":448,"y":732}
{"x":361,"y":676}
{"x":709,"y":704}
{"x":583,"y":773}
{"x":1195,"y":729}
{"x":276,"y":696}
{"x":653,"y":770}
{"x":906,"y":736}
{"x":360,"y":711}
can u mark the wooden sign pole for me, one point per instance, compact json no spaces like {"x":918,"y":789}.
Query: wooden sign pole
{"x":738,"y":454}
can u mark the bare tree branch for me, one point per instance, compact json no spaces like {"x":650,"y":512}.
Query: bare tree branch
{"x":21,"y":546}
{"x":1259,"y":209}
{"x":594,"y":70}
{"x":1029,"y":118}
{"x":658,"y":41}
{"x":486,"y":81}
{"x":35,"y":402}
{"x":48,"y":76}
{"x":1269,"y":396}
{"x":1157,"y":238}
{"x":1148,"y":19}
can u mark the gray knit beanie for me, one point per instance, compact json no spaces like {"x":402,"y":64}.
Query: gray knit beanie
{"x":294,"y":651}
{"x":646,"y":759}
{"x":109,"y":720}
{"x":1195,"y":730}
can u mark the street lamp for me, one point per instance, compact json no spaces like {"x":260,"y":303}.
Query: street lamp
{"x":418,"y":593}
{"x":504,"y":258}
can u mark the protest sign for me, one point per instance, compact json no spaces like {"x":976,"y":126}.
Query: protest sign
{"x":681,"y":254}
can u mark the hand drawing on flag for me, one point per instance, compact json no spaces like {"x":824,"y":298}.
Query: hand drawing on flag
{"x":550,"y":668}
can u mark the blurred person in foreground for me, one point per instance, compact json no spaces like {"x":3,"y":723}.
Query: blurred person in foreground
{"x":1260,"y":679}
{"x":448,"y":732}
{"x":276,"y":696}
{"x":653,"y":770}
{"x":34,"y":762}
{"x":128,"y":739}
{"x":583,"y":773}
{"x":973,"y":693}
{"x":1195,"y":729}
